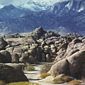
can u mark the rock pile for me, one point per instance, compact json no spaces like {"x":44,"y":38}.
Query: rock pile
{"x":39,"y":46}
{"x":66,"y":52}
{"x":72,"y":61}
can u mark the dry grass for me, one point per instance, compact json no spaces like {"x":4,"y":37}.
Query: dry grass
{"x":75,"y":82}
{"x":2,"y":82}
{"x":62,"y":79}
{"x":58,"y":81}
{"x":22,"y":83}
{"x":44,"y":75}
{"x":45,"y":68}
{"x":29,"y":67}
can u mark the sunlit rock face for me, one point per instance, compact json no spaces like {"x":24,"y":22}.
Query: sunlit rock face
{"x":61,"y":15}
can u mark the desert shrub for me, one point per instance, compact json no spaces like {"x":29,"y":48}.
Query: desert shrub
{"x":75,"y":82}
{"x":2,"y":82}
{"x":23,"y":83}
{"x":43,"y":75}
{"x":29,"y":67}
{"x":45,"y":68}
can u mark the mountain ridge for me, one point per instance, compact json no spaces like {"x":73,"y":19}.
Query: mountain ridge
{"x":69,"y":15}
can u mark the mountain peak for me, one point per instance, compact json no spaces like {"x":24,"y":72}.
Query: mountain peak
{"x":8,"y":7}
{"x":67,"y":15}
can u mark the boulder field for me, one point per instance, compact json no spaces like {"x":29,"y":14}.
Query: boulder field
{"x":65,"y":52}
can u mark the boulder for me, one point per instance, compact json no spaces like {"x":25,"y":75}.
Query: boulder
{"x":17,"y":50}
{"x":28,"y":58}
{"x":32,"y":59}
{"x":50,"y":34}
{"x":53,"y":49}
{"x":9,"y":74}
{"x":16,"y":54}
{"x":76,"y":64}
{"x":51,"y":40}
{"x":18,"y":66}
{"x":3,"y":44}
{"x":60,"y":55}
{"x":61,"y":51}
{"x":24,"y":58}
{"x":10,"y":49}
{"x":77,"y":41}
{"x":61,"y":67}
{"x":48,"y":58}
{"x":71,"y":52}
{"x":73,"y":47}
{"x":5,"y":57}
{"x":72,"y":65}
{"x":15,"y":58}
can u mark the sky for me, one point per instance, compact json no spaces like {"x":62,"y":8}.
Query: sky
{"x":34,"y":5}
{"x":24,"y":1}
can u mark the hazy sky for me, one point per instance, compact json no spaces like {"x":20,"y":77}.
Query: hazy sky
{"x":5,"y":2}
{"x":30,"y":3}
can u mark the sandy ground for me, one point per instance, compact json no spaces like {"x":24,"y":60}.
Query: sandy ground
{"x":33,"y":76}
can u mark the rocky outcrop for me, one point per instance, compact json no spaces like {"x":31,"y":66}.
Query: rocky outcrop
{"x":72,"y":65}
{"x":72,"y":61}
{"x":34,"y":47}
{"x":41,"y":45}
{"x":67,"y":52}
{"x":38,"y":33}
{"x":51,"y":34}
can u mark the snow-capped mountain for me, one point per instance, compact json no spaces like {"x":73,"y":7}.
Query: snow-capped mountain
{"x":55,"y":14}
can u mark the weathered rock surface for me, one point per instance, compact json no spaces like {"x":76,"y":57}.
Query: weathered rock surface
{"x":61,"y":67}
{"x":76,"y":62}
{"x":3,"y":44}
{"x":38,"y":33}
{"x":9,"y":74}
{"x":74,"y":55}
{"x":5,"y":57}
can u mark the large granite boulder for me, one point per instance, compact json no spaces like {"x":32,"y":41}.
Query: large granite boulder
{"x":73,"y":65}
{"x":76,"y":64}
{"x":61,"y":67}
{"x":10,"y":74}
{"x":18,"y":66}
